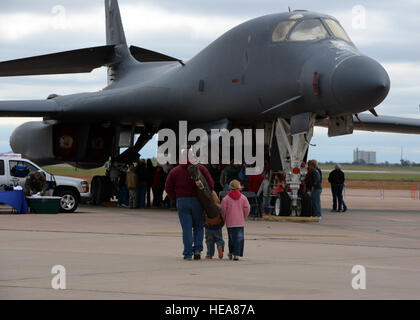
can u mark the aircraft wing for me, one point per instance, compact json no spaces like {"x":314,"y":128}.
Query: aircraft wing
{"x":74,"y":61}
{"x":28,"y":108}
{"x":387,"y":124}
{"x":368,"y":122}
{"x":145,"y":55}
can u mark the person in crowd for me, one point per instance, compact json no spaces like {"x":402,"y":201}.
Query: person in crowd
{"x":158,"y":186}
{"x":141,"y":172}
{"x":213,"y":232}
{"x":264,"y":191}
{"x":231,"y":173}
{"x":35,"y":184}
{"x":302,"y":187}
{"x":123,"y":196}
{"x":131,"y":182}
{"x":279,"y":184}
{"x":243,"y":177}
{"x":314,"y":187}
{"x":223,"y":178}
{"x":167,"y":202}
{"x":267,"y":168}
{"x":182,"y":189}
{"x":317,"y":168}
{"x":235,"y":209}
{"x":254,"y":184}
{"x":215,"y":173}
{"x":150,"y":168}
{"x":336,"y":179}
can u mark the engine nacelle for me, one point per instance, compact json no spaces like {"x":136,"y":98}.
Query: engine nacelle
{"x":46,"y":143}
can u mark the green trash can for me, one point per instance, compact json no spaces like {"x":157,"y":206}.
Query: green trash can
{"x":49,"y":205}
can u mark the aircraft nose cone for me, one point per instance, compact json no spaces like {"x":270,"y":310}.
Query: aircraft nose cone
{"x":360,"y":83}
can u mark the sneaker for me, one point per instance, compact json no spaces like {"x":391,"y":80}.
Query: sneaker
{"x":220,"y":252}
{"x":345,"y":209}
{"x":197,"y":256}
{"x":188,"y":258}
{"x":235,"y":258}
{"x":333,"y":210}
{"x":209,"y":257}
{"x":230,"y":256}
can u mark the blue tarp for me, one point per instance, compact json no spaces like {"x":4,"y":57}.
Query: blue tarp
{"x":15,"y":199}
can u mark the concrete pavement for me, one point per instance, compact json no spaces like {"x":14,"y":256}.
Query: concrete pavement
{"x":114,"y":253}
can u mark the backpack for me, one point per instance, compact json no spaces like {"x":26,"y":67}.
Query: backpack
{"x":217,"y":221}
{"x":204,"y":192}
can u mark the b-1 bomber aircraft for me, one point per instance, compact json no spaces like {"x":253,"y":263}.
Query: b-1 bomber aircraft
{"x":283,"y":72}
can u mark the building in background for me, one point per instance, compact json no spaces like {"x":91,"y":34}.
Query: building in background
{"x":368,"y":157}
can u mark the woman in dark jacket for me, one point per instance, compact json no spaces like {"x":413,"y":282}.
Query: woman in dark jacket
{"x":158,"y":186}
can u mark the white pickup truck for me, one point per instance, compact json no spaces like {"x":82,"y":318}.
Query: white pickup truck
{"x":71,"y":190}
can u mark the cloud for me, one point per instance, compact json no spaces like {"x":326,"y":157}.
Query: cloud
{"x":21,"y":25}
{"x":145,"y":19}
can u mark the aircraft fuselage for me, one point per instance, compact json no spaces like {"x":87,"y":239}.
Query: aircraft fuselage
{"x":238,"y":77}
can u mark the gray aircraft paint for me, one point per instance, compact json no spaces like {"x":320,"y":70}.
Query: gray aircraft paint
{"x":243,"y":77}
{"x":244,"y":73}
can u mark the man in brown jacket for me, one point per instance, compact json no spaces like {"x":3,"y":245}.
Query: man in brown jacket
{"x":131,"y":186}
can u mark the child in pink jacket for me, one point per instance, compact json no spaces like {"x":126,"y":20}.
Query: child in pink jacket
{"x":235,"y":209}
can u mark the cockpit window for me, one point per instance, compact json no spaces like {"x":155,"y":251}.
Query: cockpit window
{"x":337,"y":30}
{"x":306,"y":30}
{"x":282,"y":30}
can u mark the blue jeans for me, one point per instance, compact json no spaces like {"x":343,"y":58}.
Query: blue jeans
{"x":255,"y":207}
{"x":316,"y":203}
{"x":214,"y":236}
{"x":337,"y":193}
{"x":191,"y":217}
{"x":265,"y":204}
{"x":141,"y":195}
{"x":123,"y":196}
{"x":236,"y":241}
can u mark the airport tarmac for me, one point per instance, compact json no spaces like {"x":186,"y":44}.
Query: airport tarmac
{"x":115,"y":253}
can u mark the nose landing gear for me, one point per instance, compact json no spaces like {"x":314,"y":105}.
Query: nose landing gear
{"x":293,"y":139}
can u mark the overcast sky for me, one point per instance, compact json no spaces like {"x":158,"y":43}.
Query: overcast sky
{"x":181,"y":29}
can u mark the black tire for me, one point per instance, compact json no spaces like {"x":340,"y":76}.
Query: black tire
{"x":69,"y":200}
{"x":285,"y":209}
{"x":306,"y":201}
{"x":282,"y":205}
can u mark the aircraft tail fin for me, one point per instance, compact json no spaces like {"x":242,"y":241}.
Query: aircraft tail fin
{"x":114,"y":28}
{"x":115,"y":36}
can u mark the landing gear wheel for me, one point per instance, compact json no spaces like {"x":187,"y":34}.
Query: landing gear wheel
{"x":298,"y":209}
{"x":292,"y":143}
{"x":277,"y":207}
{"x":69,"y":200}
{"x":282,"y":205}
